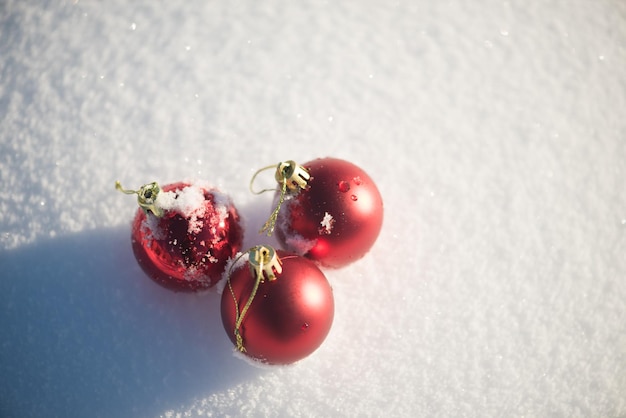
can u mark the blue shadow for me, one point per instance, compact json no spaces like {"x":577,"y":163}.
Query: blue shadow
{"x":85,"y":333}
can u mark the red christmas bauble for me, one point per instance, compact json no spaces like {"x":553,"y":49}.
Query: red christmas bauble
{"x":187,"y":246}
{"x":336,"y":218}
{"x":287,"y":318}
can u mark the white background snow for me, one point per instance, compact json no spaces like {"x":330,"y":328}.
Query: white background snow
{"x":496,"y":133}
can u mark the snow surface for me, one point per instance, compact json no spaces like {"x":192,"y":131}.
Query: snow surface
{"x":495,"y":131}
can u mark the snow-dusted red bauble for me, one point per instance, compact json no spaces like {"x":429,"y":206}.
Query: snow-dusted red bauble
{"x":336,"y":218}
{"x":278,"y":307}
{"x":184,"y":234}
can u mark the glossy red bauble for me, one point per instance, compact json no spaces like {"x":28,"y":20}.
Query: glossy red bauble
{"x":336,"y":219}
{"x":187,"y":248}
{"x":288,"y":318}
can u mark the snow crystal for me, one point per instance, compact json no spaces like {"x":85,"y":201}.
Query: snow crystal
{"x":327,"y":224}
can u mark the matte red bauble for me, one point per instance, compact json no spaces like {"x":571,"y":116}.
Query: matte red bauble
{"x":277,"y":307}
{"x":183,"y":234}
{"x":335,"y":217}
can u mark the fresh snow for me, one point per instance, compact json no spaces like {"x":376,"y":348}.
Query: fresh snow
{"x":494,"y":130}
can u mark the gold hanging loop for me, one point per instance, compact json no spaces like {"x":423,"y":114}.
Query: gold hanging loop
{"x":146,"y":197}
{"x":259,"y":171}
{"x":264,"y":262}
{"x":291,"y":177}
